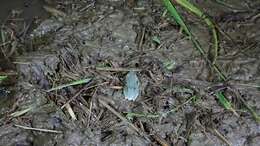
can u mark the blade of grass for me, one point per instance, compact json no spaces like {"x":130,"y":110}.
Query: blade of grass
{"x":176,"y":16}
{"x":78,"y":82}
{"x":174,"y":13}
{"x":192,"y":8}
{"x":170,"y":7}
{"x":225,"y":103}
{"x":22,"y":112}
{"x":2,"y":77}
{"x":39,"y":129}
{"x":248,"y":107}
{"x":223,"y":100}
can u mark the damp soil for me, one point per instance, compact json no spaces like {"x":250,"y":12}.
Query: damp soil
{"x":57,"y":42}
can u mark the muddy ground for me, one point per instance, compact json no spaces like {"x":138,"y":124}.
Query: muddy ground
{"x":102,"y":40}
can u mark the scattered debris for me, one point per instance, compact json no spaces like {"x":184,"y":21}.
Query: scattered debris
{"x":115,"y":72}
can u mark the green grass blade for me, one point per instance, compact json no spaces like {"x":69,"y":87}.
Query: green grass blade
{"x":174,"y":13}
{"x":225,"y":103}
{"x":249,"y":108}
{"x":78,"y":82}
{"x":192,"y":8}
{"x":177,"y":17}
{"x":254,"y":114}
{"x":2,"y":77}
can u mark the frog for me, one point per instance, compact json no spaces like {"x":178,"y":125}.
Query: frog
{"x":132,"y":86}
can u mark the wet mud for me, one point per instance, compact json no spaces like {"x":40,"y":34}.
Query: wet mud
{"x":102,"y":41}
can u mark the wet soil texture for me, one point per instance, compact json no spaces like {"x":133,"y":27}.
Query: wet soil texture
{"x":67,"y":75}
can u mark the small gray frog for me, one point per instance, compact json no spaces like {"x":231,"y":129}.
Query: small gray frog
{"x":132,"y":86}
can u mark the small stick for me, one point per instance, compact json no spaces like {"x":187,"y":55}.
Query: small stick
{"x":118,"y":115}
{"x":123,"y":119}
{"x":220,"y":136}
{"x":74,"y":97}
{"x":80,"y":91}
{"x":71,"y":112}
{"x":160,"y":140}
{"x":141,"y":40}
{"x":39,"y":129}
{"x":117,"y":69}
